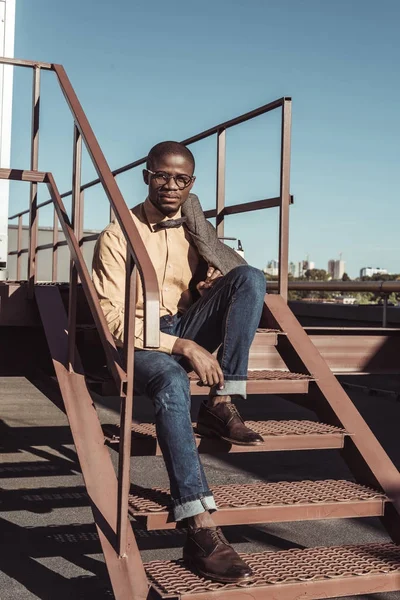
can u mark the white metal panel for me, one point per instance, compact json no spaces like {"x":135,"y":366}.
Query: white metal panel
{"x":7,"y":29}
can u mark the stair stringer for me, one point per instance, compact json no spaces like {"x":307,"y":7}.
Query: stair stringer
{"x":362,"y":452}
{"x":127,"y":573}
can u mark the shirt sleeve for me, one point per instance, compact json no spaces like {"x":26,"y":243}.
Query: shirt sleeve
{"x":109,"y":266}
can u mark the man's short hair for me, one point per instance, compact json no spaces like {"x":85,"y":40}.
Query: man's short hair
{"x":163,"y":148}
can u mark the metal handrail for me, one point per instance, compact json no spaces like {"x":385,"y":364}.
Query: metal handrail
{"x":383,"y":287}
{"x":119,"y":207}
{"x":191,"y":140}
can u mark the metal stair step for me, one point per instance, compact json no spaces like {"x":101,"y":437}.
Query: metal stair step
{"x":278,"y":436}
{"x":311,"y":573}
{"x":264,"y":381}
{"x":267,"y":502}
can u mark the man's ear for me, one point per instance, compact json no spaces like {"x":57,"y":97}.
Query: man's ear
{"x":145,"y":176}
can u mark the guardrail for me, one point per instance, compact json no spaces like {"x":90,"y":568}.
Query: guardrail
{"x":106,"y":178}
{"x":82,"y":132}
{"x":379,"y":287}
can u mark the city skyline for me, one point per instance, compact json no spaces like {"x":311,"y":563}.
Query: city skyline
{"x":335,"y":268}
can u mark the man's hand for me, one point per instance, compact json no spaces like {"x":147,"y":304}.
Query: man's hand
{"x":212,"y":275}
{"x":204,"y":364}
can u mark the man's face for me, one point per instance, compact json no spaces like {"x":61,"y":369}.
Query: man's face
{"x":167,"y":197}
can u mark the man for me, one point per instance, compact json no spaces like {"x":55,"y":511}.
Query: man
{"x":190,"y":262}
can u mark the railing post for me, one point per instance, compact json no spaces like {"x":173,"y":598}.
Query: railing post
{"x":124,"y":461}
{"x":284,"y":198}
{"x":33,"y":216}
{"x":220,"y":200}
{"x":54,"y":264}
{"x":384,"y":310}
{"x":19,"y":246}
{"x":76,"y":223}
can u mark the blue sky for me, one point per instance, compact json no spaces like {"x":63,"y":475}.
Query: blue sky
{"x":148,"y":71}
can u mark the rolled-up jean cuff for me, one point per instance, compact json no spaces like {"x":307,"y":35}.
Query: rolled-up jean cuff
{"x":231,"y":388}
{"x":193,"y":507}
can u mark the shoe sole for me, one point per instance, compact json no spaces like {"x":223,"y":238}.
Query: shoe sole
{"x":213,"y":577}
{"x":209,"y":433}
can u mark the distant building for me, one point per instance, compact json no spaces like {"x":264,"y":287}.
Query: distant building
{"x":272,"y":268}
{"x":336,"y":268}
{"x":305,"y":265}
{"x":292,"y":269}
{"x":370,"y":271}
{"x":331,"y":268}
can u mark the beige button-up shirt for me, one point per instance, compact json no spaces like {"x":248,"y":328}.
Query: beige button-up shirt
{"x":174,"y":257}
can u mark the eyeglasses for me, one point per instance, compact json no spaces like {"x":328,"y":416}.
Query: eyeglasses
{"x":161,"y":178}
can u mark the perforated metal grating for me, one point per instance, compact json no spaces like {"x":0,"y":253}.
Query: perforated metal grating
{"x":264,"y":428}
{"x":283,"y":567}
{"x":283,"y":493}
{"x":266,"y":375}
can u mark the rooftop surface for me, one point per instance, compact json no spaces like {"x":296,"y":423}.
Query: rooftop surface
{"x":49,"y":546}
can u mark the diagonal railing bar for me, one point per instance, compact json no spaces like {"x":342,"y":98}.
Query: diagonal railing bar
{"x":110,"y":349}
{"x":191,"y":140}
{"x":134,"y":242}
{"x":235,"y":209}
{"x":121,"y":211}
{"x":362,"y":438}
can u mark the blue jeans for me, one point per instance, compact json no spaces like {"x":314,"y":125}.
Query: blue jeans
{"x":227,"y":316}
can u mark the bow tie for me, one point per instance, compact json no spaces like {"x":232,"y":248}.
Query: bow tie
{"x":170,"y":223}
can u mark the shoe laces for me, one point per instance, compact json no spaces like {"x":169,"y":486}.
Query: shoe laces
{"x":217,"y":536}
{"x":234,"y":411}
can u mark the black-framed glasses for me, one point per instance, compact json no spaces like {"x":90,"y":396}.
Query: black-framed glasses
{"x":161,"y":178}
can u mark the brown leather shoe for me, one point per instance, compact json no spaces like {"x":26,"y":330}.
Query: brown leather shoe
{"x":207,"y":551}
{"x":223,"y":420}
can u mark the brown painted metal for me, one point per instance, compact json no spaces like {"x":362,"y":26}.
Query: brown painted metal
{"x":33,"y":216}
{"x":19,"y":244}
{"x":264,"y":381}
{"x":277,"y":435}
{"x":54,"y":260}
{"x":134,"y":242}
{"x":124,"y":462}
{"x":200,"y":136}
{"x":285,"y":198}
{"x":110,"y":350}
{"x":17,"y":62}
{"x":366,"y":449}
{"x":207,"y":133}
{"x":345,"y":350}
{"x":235,"y":209}
{"x":294,"y":574}
{"x":276,"y":502}
{"x":384,"y":287}
{"x":21,"y":175}
{"x":220,"y":200}
{"x":76,"y":223}
{"x":127,"y":574}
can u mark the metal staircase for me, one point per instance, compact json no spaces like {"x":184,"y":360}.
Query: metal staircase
{"x":307,"y":380}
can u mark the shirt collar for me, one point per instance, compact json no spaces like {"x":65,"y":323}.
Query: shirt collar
{"x":154,"y":216}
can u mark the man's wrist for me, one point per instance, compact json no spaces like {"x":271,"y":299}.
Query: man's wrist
{"x":183,"y":347}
